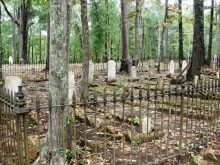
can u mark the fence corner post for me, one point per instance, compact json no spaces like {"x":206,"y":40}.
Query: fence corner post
{"x":181,"y":118}
{"x":21,"y":126}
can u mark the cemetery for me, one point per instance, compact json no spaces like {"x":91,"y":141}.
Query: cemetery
{"x":84,"y":92}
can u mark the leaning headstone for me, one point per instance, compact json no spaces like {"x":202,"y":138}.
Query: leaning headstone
{"x":184,"y":64}
{"x":133,"y":73}
{"x":171,"y":67}
{"x":12,"y":83}
{"x":91,"y":72}
{"x":151,"y":63}
{"x":72,"y":86}
{"x":217,"y":75}
{"x":111,"y":71}
{"x":196,"y":78}
{"x":10,"y":60}
{"x":146,"y":125}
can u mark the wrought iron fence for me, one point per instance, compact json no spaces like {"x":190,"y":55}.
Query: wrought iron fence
{"x":141,"y":125}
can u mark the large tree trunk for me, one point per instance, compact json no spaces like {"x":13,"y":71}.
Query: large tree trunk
{"x":125,"y":61}
{"x":107,"y":35}
{"x":198,"y":41}
{"x":218,"y":38}
{"x":210,"y":34}
{"x":86,"y":51}
{"x":40,"y":46}
{"x":143,"y":41}
{"x":24,"y":31}
{"x":181,"y":57}
{"x":14,"y":40}
{"x":1,"y":53}
{"x":136,"y":35}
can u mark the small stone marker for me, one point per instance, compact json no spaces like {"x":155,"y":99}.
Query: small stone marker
{"x":217,"y":75}
{"x":146,"y":125}
{"x":184,"y":64}
{"x":72,"y":87}
{"x":133,"y":73}
{"x":91,"y":72}
{"x":12,"y":83}
{"x":160,"y":84}
{"x":111,"y":71}
{"x":10,"y":60}
{"x":171,"y":67}
{"x":196,"y":78}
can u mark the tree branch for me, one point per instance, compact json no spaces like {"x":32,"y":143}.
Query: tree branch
{"x":9,"y":14}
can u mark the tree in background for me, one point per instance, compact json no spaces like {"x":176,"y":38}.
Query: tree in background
{"x":125,"y":60}
{"x":1,"y":54}
{"x":198,"y":51}
{"x":209,"y":57}
{"x":181,"y":57}
{"x":86,"y":50}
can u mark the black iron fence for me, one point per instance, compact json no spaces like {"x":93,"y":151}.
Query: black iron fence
{"x":140,"y":125}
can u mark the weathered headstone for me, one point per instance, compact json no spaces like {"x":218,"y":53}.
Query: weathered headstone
{"x":184,"y":64}
{"x":217,"y":75}
{"x":111,"y":71}
{"x":72,"y":86}
{"x":160,"y":83}
{"x":196,"y":78}
{"x":91,"y":72}
{"x":146,"y":125}
{"x":151,"y":63}
{"x":10,"y":60}
{"x":12,"y":83}
{"x":171,"y":67}
{"x":133,"y":73}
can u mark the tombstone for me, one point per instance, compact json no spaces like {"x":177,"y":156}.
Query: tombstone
{"x":12,"y":83}
{"x":184,"y":64}
{"x":22,"y":61}
{"x":133,"y":73}
{"x":146,"y":125}
{"x":91,"y":72}
{"x":72,"y":86}
{"x":151,"y":63}
{"x":172,"y":67}
{"x":196,"y":78}
{"x":111,"y":71}
{"x":160,"y":83}
{"x":10,"y":60}
{"x":217,"y":75}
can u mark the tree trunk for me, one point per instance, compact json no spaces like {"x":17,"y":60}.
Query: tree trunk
{"x":1,"y":53}
{"x":181,"y":57}
{"x":48,"y":43}
{"x":143,"y":41}
{"x":210,"y":34}
{"x":125,"y":61}
{"x":198,"y":41}
{"x":14,"y":40}
{"x":58,"y":82}
{"x":159,"y":50}
{"x":24,"y":31}
{"x":136,"y":37}
{"x":165,"y":34}
{"x":40,"y":47}
{"x":218,"y":38}
{"x":86,"y":51}
{"x":107,"y":35}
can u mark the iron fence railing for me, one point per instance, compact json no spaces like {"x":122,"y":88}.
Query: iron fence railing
{"x":143,"y":125}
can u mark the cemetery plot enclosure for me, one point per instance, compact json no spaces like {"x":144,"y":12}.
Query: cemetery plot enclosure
{"x":140,"y":125}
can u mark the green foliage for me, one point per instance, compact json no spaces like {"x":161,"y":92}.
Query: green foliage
{"x":136,"y":120}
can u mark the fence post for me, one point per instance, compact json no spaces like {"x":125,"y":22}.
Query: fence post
{"x":181,"y":118}
{"x":21,"y":127}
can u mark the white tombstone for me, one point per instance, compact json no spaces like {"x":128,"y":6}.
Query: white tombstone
{"x":111,"y":71}
{"x":184,"y":64}
{"x":133,"y":73}
{"x":217,"y":75}
{"x":10,"y":60}
{"x":196,"y":78}
{"x":151,"y":63}
{"x":172,"y":67}
{"x":91,"y":72}
{"x":72,"y":86}
{"x":12,"y":83}
{"x":146,"y":125}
